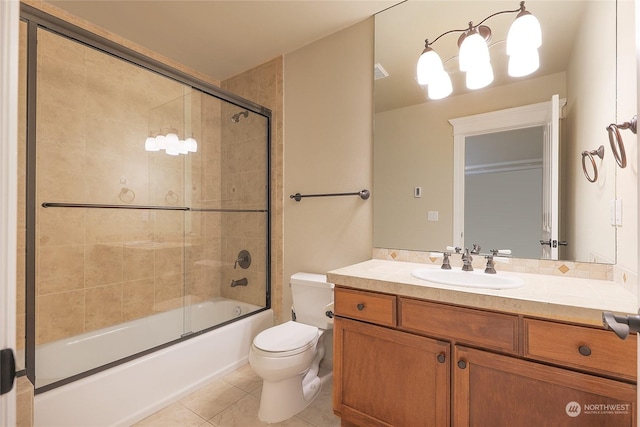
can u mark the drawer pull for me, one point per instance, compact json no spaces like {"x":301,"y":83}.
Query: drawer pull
{"x":360,"y":306}
{"x":462,"y":364}
{"x":584,"y":350}
{"x":441,"y":358}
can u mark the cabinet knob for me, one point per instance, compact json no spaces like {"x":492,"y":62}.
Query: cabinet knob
{"x":360,"y":306}
{"x":462,"y":364}
{"x":441,"y":358}
{"x":584,"y":350}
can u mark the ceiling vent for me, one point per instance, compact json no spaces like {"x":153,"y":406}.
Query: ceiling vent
{"x":379,"y":72}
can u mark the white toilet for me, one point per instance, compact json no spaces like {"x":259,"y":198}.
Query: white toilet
{"x":287,"y":356}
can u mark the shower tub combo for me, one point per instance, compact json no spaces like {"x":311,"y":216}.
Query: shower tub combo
{"x":129,"y":392}
{"x":131,"y":218}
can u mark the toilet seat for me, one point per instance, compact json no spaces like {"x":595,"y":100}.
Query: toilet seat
{"x":287,"y":339}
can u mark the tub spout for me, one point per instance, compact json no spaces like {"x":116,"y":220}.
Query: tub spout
{"x":240,"y":282}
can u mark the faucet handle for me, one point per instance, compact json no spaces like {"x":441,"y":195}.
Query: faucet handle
{"x":490,"y":268}
{"x":243,"y":260}
{"x":454,"y":249}
{"x":476,"y":249}
{"x":446,"y":265}
{"x":495,"y":252}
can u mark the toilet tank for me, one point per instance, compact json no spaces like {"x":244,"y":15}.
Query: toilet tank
{"x":311,"y":294}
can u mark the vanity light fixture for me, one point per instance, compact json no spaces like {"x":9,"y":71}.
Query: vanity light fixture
{"x":169,"y":141}
{"x":523,"y":40}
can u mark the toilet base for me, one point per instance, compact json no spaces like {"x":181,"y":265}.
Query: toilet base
{"x":273,"y":408}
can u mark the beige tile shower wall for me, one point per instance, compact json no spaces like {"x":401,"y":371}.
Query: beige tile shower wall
{"x":204,"y":229}
{"x":100,"y":267}
{"x":244,"y":184}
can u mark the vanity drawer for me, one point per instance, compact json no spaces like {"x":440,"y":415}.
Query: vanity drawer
{"x":581,"y":347}
{"x":366,"y":306}
{"x":489,"y":330}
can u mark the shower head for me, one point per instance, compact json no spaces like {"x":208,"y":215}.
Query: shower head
{"x":236,"y":117}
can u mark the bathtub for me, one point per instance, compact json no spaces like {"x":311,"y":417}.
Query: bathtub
{"x":127,"y":393}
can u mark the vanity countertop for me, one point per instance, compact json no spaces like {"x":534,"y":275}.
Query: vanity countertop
{"x":559,"y":298}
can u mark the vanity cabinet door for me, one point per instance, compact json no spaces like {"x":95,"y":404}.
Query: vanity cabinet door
{"x":384,"y":377}
{"x":502,"y":391}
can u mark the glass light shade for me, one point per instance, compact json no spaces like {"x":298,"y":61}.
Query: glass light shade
{"x":473,"y":51}
{"x":192,"y":145}
{"x":182,"y":147}
{"x":172,"y":138}
{"x":429,"y":65}
{"x":524,"y":34}
{"x":161,"y":142}
{"x":173,"y":144}
{"x":440,"y":86}
{"x":150,"y":144}
{"x":479,"y":76}
{"x":524,"y":62}
{"x":173,"y":149}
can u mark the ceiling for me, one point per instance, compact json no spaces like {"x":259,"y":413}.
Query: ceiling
{"x":223,"y":38}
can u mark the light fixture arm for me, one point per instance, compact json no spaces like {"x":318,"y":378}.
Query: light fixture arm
{"x":426,"y":41}
{"x":521,"y":9}
{"x":471,"y":26}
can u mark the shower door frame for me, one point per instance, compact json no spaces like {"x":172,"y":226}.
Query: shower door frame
{"x":36,"y":19}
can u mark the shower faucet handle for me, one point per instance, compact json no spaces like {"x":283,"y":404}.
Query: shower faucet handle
{"x":243,"y":260}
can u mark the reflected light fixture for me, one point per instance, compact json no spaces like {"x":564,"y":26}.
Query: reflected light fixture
{"x":169,"y":141}
{"x":523,"y":40}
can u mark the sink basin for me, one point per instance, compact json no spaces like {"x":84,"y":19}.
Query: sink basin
{"x":468,"y":279}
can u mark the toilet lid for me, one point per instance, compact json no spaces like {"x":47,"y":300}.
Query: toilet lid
{"x":286,"y":337}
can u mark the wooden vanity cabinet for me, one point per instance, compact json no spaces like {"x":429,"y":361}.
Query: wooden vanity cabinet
{"x":406,"y":362}
{"x":389,"y":378}
{"x":382,"y":376}
{"x":496,"y":390}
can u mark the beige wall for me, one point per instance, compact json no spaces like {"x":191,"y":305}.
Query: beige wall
{"x":328,"y":134}
{"x":627,"y":179}
{"x":590,"y":108}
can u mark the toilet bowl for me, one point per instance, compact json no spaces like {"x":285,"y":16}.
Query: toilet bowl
{"x":287,"y":357}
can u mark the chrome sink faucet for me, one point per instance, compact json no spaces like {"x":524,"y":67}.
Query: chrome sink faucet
{"x":466,"y":261}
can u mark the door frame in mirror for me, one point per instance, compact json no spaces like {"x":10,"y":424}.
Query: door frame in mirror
{"x":478,"y":124}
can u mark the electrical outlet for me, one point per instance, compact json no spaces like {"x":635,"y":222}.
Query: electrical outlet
{"x":615,"y":212}
{"x":432,"y":216}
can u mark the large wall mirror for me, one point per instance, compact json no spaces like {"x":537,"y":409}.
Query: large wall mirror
{"x":414,"y":136}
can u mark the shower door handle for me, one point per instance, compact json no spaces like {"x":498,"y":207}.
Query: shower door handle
{"x":7,"y":370}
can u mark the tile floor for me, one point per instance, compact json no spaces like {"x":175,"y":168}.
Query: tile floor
{"x":233,"y":401}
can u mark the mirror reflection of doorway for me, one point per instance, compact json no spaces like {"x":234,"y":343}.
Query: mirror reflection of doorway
{"x":503,"y":202}
{"x":544,"y":116}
